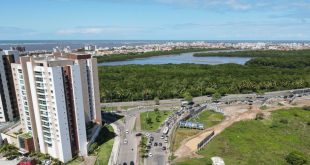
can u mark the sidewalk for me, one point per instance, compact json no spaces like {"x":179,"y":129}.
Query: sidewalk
{"x":116,"y":145}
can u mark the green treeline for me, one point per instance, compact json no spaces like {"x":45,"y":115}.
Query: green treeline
{"x":256,"y":53}
{"x":123,"y":57}
{"x":281,"y":62}
{"x":144,"y":82}
{"x":266,"y":71}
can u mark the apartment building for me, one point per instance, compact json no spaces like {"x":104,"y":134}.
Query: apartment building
{"x":8,"y":104}
{"x":57,"y":96}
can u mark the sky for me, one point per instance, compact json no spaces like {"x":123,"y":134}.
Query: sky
{"x":155,"y":19}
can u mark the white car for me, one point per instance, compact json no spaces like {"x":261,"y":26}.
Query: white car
{"x":150,"y":154}
{"x":147,"y":134}
{"x":125,"y":141}
{"x":127,"y":131}
{"x":166,"y":141}
{"x":162,"y":137}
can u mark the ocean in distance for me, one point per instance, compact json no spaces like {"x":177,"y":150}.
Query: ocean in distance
{"x":32,"y":45}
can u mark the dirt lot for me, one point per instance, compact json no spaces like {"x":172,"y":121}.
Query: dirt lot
{"x":234,"y":113}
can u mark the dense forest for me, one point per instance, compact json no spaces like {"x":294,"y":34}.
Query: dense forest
{"x":267,"y":71}
{"x":141,"y":82}
{"x":123,"y":57}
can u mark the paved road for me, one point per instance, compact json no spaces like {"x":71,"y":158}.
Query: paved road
{"x":160,"y":156}
{"x":128,"y":152}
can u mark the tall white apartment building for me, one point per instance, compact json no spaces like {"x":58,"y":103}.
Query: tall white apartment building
{"x":8,"y":104}
{"x":57,"y":96}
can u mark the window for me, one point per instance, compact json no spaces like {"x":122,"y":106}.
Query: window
{"x":40,"y":79}
{"x":42,"y":102}
{"x":42,"y":107}
{"x":40,"y":90}
{"x":41,"y":96}
{"x":38,"y":73}
{"x":44,"y":118}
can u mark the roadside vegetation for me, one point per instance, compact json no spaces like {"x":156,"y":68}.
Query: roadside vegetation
{"x":150,"y":121}
{"x":282,"y":138}
{"x":208,"y":118}
{"x":9,"y":151}
{"x":130,"y":56}
{"x":142,"y":146}
{"x":102,"y":147}
{"x":116,"y":108}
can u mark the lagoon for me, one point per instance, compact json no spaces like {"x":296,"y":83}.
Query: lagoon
{"x":180,"y":59}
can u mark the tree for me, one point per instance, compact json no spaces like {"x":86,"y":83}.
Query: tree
{"x":188,"y":97}
{"x":216,"y":96}
{"x":156,"y":100}
{"x":210,"y":91}
{"x":148,"y":120}
{"x":156,"y":110}
{"x":296,"y":158}
{"x":157,"y":118}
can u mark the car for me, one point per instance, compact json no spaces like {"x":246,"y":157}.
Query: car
{"x":155,"y":144}
{"x":132,"y":163}
{"x":127,"y":131}
{"x":160,"y":144}
{"x":162,"y":137}
{"x":139,"y":134}
{"x":147,"y":134}
{"x":164,"y":148}
{"x":125,"y":141}
{"x":124,"y":163}
{"x":152,"y":138}
{"x":166,"y":141}
{"x":150,"y":154}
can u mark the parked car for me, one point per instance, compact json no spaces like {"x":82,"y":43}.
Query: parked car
{"x":155,"y":144}
{"x":139,"y":134}
{"x":160,"y":144}
{"x":164,"y":148}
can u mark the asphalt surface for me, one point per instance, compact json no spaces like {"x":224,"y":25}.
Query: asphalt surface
{"x":128,"y":150}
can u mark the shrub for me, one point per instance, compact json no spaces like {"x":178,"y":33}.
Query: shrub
{"x":93,"y":147}
{"x":307,"y":108}
{"x":296,"y":158}
{"x":284,"y":121}
{"x":259,"y":116}
{"x":156,"y":100}
{"x":264,"y":107}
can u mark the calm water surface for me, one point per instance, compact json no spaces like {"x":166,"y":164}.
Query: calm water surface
{"x":180,"y":59}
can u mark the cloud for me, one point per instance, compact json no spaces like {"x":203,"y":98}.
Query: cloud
{"x":218,"y":5}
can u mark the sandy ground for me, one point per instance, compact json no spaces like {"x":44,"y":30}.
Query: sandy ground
{"x":234,"y":113}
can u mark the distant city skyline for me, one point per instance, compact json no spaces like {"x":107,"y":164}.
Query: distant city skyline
{"x":155,"y":20}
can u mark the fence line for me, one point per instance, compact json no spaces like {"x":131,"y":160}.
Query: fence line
{"x":205,"y":141}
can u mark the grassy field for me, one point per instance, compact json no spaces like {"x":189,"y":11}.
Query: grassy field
{"x":104,"y":150}
{"x":154,"y":125}
{"x":208,"y":118}
{"x":266,"y":141}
